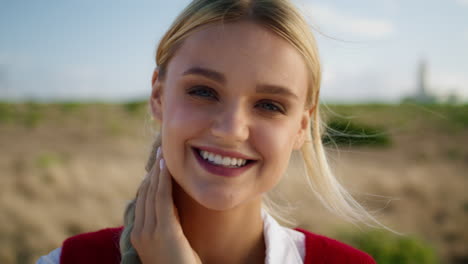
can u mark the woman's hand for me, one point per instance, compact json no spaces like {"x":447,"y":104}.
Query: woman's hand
{"x":157,"y":234}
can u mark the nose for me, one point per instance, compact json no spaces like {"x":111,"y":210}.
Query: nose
{"x":231,"y":125}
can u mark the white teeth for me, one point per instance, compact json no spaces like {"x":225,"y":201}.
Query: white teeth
{"x":226,"y":161}
{"x":211,"y":157}
{"x":233,"y":161}
{"x":220,"y":160}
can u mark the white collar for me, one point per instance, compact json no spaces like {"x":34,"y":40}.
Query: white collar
{"x":283,"y":245}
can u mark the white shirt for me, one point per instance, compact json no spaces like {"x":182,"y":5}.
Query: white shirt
{"x":283,"y":245}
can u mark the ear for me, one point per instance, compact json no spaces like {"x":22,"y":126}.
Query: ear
{"x":156,"y":96}
{"x":304,"y":128}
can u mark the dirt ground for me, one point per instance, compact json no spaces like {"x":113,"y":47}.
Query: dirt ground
{"x":70,"y":169}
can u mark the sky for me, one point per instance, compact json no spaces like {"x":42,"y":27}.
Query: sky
{"x":104,"y":50}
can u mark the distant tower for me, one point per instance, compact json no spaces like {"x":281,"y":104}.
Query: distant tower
{"x":422,"y":94}
{"x":422,"y":72}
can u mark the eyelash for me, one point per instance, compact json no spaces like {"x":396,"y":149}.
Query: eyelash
{"x":194,"y":91}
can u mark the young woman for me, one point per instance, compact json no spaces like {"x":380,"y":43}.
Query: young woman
{"x":236,"y":91}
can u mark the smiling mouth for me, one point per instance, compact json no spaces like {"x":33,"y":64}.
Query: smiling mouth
{"x":222,"y":161}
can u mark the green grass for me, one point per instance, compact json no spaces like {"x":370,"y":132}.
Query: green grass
{"x":48,"y":159}
{"x":455,"y":115}
{"x":32,"y":114}
{"x":7,"y":112}
{"x":135,"y":107}
{"x":29,"y":114}
{"x":70,"y":106}
{"x":371,"y":124}
{"x":388,"y":248}
{"x":345,"y":132}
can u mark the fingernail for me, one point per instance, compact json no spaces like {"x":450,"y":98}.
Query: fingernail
{"x":158,"y":152}
{"x":161,"y":164}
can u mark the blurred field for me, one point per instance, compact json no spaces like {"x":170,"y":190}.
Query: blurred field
{"x":70,"y":168}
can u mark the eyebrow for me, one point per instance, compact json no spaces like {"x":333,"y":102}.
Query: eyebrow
{"x":276,"y":89}
{"x":210,"y":74}
{"x":219,"y":77}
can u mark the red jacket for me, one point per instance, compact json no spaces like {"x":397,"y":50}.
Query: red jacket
{"x":102,"y":247}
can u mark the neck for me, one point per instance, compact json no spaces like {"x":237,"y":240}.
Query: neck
{"x":228,"y":236}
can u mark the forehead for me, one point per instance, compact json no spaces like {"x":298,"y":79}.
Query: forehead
{"x":243,"y":51}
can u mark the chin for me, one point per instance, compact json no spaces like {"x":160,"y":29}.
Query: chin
{"x":218,"y":200}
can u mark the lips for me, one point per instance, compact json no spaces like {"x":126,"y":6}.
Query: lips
{"x":220,"y":169}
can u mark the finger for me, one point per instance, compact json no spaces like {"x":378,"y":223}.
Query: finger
{"x":164,"y":201}
{"x":140,"y":206}
{"x":145,"y":179}
{"x":150,"y":214}
{"x":156,"y":162}
{"x":151,"y":170}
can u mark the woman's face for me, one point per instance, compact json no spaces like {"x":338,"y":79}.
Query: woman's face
{"x":234,"y":91}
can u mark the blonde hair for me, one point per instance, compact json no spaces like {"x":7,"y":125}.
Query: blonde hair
{"x":281,"y":17}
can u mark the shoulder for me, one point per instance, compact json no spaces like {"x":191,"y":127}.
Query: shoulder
{"x":100,"y":238}
{"x":322,"y":249}
{"x":99,"y":246}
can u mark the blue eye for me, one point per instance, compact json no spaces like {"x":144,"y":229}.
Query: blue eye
{"x":272,"y":107}
{"x":202,"y":91}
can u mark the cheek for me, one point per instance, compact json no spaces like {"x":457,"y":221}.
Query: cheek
{"x":276,"y":138}
{"x":181,"y":117}
{"x":182,"y":121}
{"x":275,"y":143}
